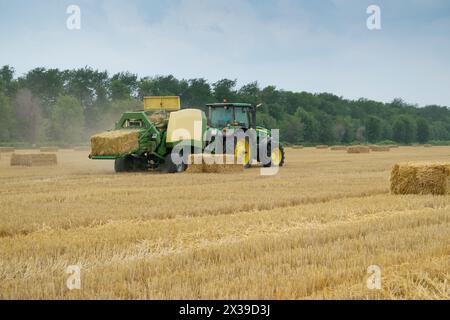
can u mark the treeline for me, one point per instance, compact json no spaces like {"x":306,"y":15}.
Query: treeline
{"x":51,"y":106}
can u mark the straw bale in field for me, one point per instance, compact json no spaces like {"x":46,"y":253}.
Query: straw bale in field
{"x":322,"y":146}
{"x":211,"y":163}
{"x":380,"y":148}
{"x":32,"y":160}
{"x":297,"y":147}
{"x":421,"y":178}
{"x":116,"y":142}
{"x":7,"y":149}
{"x":393,"y":146}
{"x":358,"y":149}
{"x":338,"y":148}
{"x":428,"y":145}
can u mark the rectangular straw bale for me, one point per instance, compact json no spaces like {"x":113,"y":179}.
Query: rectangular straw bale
{"x":421,"y":178}
{"x":213,"y":163}
{"x":31,"y":160}
{"x":358,"y":149}
{"x":7,"y":149}
{"x":338,"y":148}
{"x":116,"y":142}
{"x":322,"y":146}
{"x":380,"y":148}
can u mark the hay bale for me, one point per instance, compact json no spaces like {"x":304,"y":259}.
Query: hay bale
{"x":195,"y":164}
{"x":213,"y":163}
{"x":420,"y":178}
{"x":297,"y":147}
{"x":49,"y":149}
{"x":7,"y":149}
{"x":380,"y":148}
{"x":33,"y":160}
{"x":116,"y":142}
{"x":393,"y":146}
{"x":338,"y":148}
{"x":428,"y":145}
{"x":21,"y":160}
{"x":358,"y":149}
{"x":322,"y":146}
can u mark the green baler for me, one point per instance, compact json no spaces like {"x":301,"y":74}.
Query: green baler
{"x":145,"y":140}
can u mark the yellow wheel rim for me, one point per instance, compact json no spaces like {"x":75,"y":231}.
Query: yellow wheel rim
{"x":276,"y":156}
{"x":242,"y":152}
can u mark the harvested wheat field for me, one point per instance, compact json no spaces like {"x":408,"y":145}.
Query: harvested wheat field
{"x":311,"y":231}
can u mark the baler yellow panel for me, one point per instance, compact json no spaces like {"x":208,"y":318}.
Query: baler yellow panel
{"x":186,"y":124}
{"x":169,"y":103}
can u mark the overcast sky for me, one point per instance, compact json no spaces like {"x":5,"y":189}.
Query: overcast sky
{"x":315,"y":46}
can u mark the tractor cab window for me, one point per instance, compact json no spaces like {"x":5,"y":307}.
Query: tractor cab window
{"x":223,"y":116}
{"x":241,"y":117}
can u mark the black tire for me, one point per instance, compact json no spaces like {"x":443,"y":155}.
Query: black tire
{"x":269,"y":152}
{"x":140,"y":164}
{"x":170,"y":167}
{"x":124,"y":164}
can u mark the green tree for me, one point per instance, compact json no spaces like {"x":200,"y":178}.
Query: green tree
{"x":311,"y":127}
{"x":46,"y":85}
{"x":7,"y":83}
{"x":197,"y":94}
{"x":225,"y":89}
{"x":7,"y":119}
{"x":373,"y":128}
{"x":67,"y":120}
{"x":439,"y":131}
{"x":124,"y":85}
{"x":249,"y":93}
{"x":291,"y":129}
{"x":28,"y":113}
{"x":423,"y":130}
{"x":404,"y":130}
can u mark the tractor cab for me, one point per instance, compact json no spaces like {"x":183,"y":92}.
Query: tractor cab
{"x":231,"y":115}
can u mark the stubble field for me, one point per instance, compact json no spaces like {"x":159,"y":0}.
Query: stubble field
{"x":311,"y":231}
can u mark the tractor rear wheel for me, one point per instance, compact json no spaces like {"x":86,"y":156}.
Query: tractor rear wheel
{"x":276,"y":156}
{"x":124,"y":164}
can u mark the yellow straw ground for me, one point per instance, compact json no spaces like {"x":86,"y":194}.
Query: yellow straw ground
{"x":309,"y":232}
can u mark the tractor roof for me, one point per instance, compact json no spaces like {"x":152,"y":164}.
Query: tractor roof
{"x":229,"y":104}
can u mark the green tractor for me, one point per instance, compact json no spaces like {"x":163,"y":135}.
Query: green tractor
{"x":234,"y":118}
{"x":146,"y":140}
